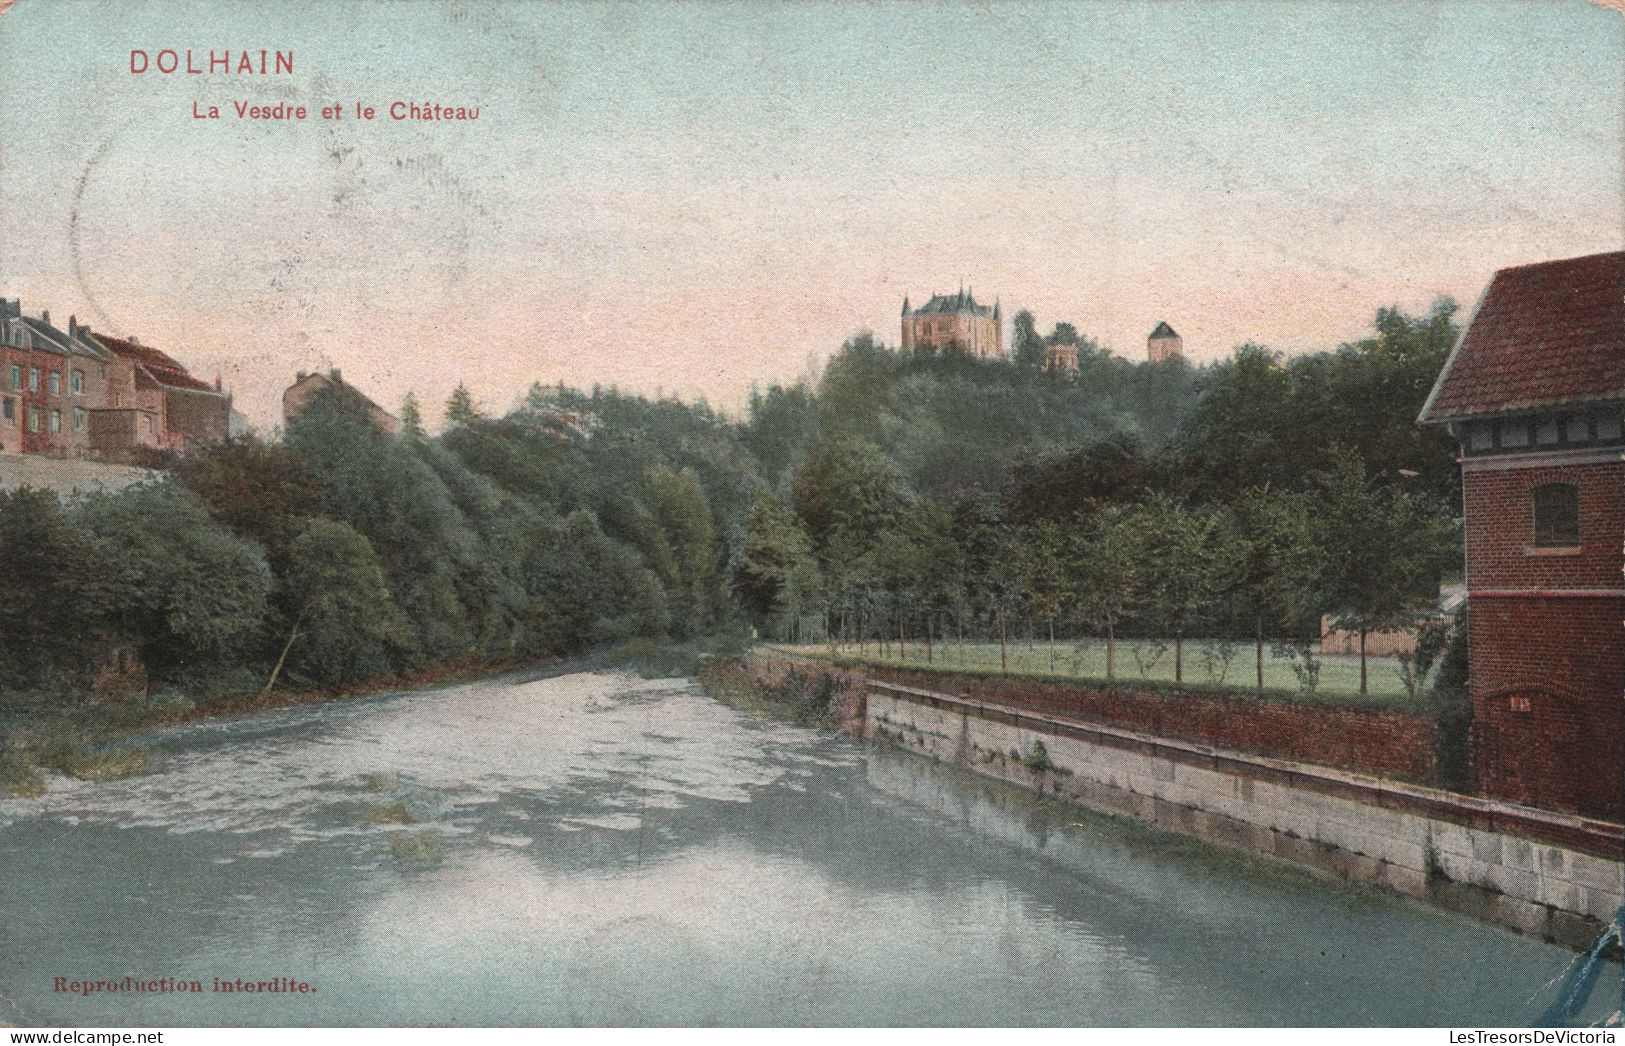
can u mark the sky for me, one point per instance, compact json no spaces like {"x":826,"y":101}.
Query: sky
{"x":695,"y":198}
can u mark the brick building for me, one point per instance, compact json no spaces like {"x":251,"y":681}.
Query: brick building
{"x":298,"y":396}
{"x":1534,"y":393}
{"x":50,"y":382}
{"x":78,"y":394}
{"x":154,"y":402}
{"x":954,"y":323}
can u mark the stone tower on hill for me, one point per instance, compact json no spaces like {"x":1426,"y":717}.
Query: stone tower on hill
{"x":954,"y":323}
{"x":1164,"y":344}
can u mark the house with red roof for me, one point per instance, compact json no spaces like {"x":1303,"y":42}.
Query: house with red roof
{"x":297,"y":398}
{"x":1534,"y":394}
{"x":152,"y":402}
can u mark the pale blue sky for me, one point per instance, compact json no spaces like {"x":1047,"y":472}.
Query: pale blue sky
{"x":696,"y":197}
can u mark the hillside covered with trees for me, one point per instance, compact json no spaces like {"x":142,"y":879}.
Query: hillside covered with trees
{"x":899,"y":496}
{"x":912,"y":495}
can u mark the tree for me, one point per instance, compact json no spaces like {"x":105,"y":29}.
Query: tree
{"x":903,"y":565}
{"x":1265,"y":420}
{"x":460,"y":408}
{"x":1106,"y":562}
{"x":263,"y":491}
{"x":938,"y":583}
{"x":776,"y":577}
{"x":1067,"y":487}
{"x":849,"y":491}
{"x":346,"y":623}
{"x":587,"y":588}
{"x":187,"y":590}
{"x":433,"y":557}
{"x":1042,"y":567}
{"x":1281,"y":564}
{"x":1248,"y":429}
{"x":987,"y":550}
{"x":678,"y":506}
{"x":1189,"y":558}
{"x":411,"y":416}
{"x":1384,"y":549}
{"x":53,"y":589}
{"x":1027,"y":346}
{"x":783,"y":423}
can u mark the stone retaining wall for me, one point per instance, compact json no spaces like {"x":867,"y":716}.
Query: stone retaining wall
{"x":1547,"y":875}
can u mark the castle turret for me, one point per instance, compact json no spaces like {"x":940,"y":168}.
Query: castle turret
{"x":1164,"y":344}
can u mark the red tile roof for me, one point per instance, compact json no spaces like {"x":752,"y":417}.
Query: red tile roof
{"x":162,"y":367}
{"x":1543,"y":335}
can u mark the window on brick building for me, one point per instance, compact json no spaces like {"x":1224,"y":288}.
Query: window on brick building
{"x":76,"y":383}
{"x":56,"y":384}
{"x":56,"y":421}
{"x":33,"y":379}
{"x":101,"y":371}
{"x":1557,"y":515}
{"x":16,"y":377}
{"x":33,"y":419}
{"x":8,"y":409}
{"x":81,"y":419}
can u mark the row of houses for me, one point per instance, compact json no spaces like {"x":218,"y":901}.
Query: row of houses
{"x":78,"y":393}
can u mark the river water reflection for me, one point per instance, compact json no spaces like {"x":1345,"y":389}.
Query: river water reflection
{"x":599,"y":849}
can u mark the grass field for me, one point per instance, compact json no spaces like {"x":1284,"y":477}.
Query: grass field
{"x":1205,"y":665}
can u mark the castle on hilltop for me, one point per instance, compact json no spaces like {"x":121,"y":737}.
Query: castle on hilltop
{"x":954,"y":323}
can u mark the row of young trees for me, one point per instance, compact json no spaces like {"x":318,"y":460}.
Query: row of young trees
{"x":856,"y":553}
{"x":338,"y":552}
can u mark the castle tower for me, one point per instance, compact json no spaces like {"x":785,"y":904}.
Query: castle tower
{"x":954,"y":323}
{"x":1164,"y":344}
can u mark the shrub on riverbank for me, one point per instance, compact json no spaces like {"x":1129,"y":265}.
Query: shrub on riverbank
{"x":20,"y":774}
{"x":808,"y":696}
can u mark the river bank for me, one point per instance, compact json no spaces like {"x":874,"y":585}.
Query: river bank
{"x":91,"y":739}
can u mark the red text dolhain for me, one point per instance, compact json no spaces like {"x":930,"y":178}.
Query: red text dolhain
{"x":216,"y":63}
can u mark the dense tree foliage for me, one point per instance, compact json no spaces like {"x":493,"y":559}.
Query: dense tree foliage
{"x":1265,"y":419}
{"x":53,"y":591}
{"x":189,"y":591}
{"x":904,"y":499}
{"x":340,"y":552}
{"x":346,"y":625}
{"x":1249,"y":498}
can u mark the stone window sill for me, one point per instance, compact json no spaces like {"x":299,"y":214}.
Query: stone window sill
{"x":1552,"y":550}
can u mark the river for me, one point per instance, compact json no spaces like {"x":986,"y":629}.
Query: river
{"x":600,"y":849}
